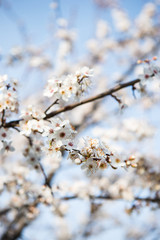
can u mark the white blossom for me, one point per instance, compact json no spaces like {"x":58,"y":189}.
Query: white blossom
{"x":90,"y":166}
{"x":121,"y":20}
{"x":69,"y":86}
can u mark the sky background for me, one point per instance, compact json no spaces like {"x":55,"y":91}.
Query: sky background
{"x":36,"y":16}
{"x":33,"y":22}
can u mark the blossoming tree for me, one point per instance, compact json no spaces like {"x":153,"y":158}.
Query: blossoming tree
{"x":88,"y":138}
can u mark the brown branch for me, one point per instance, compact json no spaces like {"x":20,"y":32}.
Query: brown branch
{"x":12,"y":123}
{"x":110,"y":198}
{"x":3,"y":117}
{"x":103,"y":197}
{"x":116,"y":98}
{"x":5,"y":211}
{"x":13,"y":233}
{"x":88,"y":100}
{"x":91,"y":99}
{"x":15,"y":228}
{"x":20,"y":221}
{"x":47,"y":180}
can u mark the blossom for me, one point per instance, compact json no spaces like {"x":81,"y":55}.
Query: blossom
{"x":3,"y":79}
{"x":146,"y":76}
{"x":52,"y":87}
{"x":7,"y":146}
{"x":32,"y":121}
{"x":59,"y":130}
{"x":116,"y":161}
{"x":26,"y":128}
{"x":150,"y":72}
{"x":69,"y":86}
{"x":32,"y":112}
{"x":53,"y":148}
{"x":155,"y":70}
{"x":131,"y":161}
{"x":4,"y":133}
{"x":73,"y":155}
{"x":90,"y":166}
{"x":102,"y":164}
{"x":63,"y":134}
{"x":96,"y":155}
{"x":36,"y":125}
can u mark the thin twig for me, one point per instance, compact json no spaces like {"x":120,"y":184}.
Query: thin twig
{"x":55,"y":102}
{"x":133,"y":91}
{"x":47,"y":181}
{"x":29,"y":138}
{"x":116,"y":98}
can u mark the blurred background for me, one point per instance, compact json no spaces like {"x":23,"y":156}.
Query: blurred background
{"x":40,"y":39}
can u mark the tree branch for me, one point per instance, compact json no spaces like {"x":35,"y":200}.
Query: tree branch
{"x":3,"y":117}
{"x":88,"y":100}
{"x":110,"y":198}
{"x":47,"y":180}
{"x":91,"y":99}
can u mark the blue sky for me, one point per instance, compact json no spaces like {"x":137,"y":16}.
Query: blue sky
{"x":39,"y":23}
{"x":36,"y":16}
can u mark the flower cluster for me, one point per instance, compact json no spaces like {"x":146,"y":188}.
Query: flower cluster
{"x":96,"y":155}
{"x":150,"y":71}
{"x":8,"y":94}
{"x":60,"y":134}
{"x":55,"y":130}
{"x":57,"y":134}
{"x":68,"y":86}
{"x":32,"y":121}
